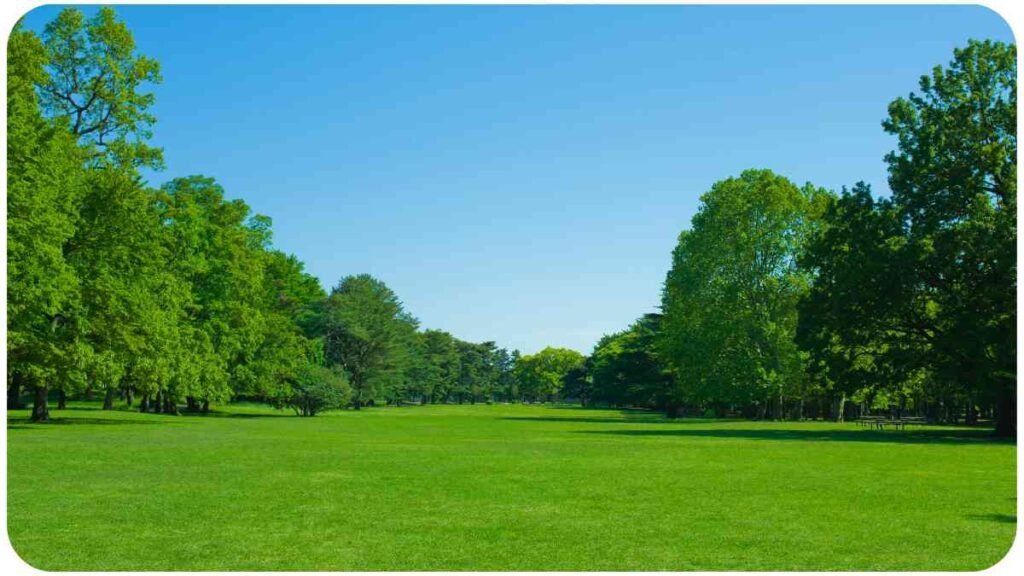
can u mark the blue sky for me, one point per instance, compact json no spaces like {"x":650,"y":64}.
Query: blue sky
{"x":520,"y":174}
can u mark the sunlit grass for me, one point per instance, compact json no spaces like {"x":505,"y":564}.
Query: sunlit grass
{"x":499,"y":488}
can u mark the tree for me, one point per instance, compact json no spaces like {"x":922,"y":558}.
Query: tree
{"x":120,"y":257}
{"x":507,"y":383}
{"x":578,"y":383}
{"x":368,"y":333}
{"x":943,"y":248}
{"x":439,"y":368}
{"x":954,"y":179}
{"x":44,"y":184}
{"x":729,"y":300}
{"x":477,"y":371}
{"x":916,"y":296}
{"x":95,"y":82}
{"x":541,"y":375}
{"x":627,"y":370}
{"x":855,"y":322}
{"x":218,"y":246}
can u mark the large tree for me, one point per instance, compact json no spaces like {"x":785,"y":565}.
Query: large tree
{"x":97,"y":82}
{"x":45,"y":181}
{"x":921,"y":288}
{"x":855,"y":322}
{"x":217,"y":246}
{"x":954,"y":179}
{"x":368,"y":333}
{"x":729,"y":300}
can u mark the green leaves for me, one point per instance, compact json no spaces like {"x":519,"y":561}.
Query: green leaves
{"x":368,"y":333}
{"x":45,"y":184}
{"x":95,"y":85}
{"x":917,"y":295}
{"x":541,"y":375}
{"x":730,"y":298}
{"x":627,"y":369}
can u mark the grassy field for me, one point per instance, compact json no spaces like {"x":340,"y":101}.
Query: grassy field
{"x":499,"y":488}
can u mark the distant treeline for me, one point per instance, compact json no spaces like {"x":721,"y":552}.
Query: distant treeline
{"x":781,"y":301}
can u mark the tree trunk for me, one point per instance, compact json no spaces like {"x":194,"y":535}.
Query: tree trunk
{"x":839,"y":407}
{"x":971,"y":417}
{"x":1006,"y":413}
{"x":129,"y":395}
{"x":190,"y":404}
{"x":40,"y":409}
{"x":206,"y":406}
{"x":62,"y":399}
{"x":170,"y":406}
{"x":144,"y":403}
{"x":108,"y":399}
{"x":14,"y":393}
{"x":158,"y":402}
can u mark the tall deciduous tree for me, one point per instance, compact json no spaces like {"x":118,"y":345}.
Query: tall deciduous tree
{"x":918,"y":293}
{"x":97,"y":82}
{"x":954,"y":179}
{"x":45,"y":182}
{"x":217,"y":246}
{"x":729,"y":300}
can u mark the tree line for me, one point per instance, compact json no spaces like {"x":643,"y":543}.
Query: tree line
{"x":173,"y":298}
{"x":782,"y":301}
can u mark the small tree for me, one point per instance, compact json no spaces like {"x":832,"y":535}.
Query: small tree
{"x":316,"y":389}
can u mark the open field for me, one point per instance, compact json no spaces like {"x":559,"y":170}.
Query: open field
{"x":499,"y":488}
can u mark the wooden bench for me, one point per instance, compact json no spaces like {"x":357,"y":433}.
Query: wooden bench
{"x":880,"y":422}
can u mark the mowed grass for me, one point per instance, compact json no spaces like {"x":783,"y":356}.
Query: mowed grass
{"x":500,"y":488}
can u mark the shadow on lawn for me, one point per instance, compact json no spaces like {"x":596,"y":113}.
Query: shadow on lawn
{"x":893,"y":437}
{"x":57,"y":421}
{"x":1001,"y":518}
{"x":649,"y":419}
{"x":148,"y":419}
{"x":626,"y":416}
{"x":215,"y":414}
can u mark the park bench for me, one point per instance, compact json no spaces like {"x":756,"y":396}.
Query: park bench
{"x":880,"y":422}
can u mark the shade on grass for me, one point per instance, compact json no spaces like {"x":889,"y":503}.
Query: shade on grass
{"x":500,"y":488}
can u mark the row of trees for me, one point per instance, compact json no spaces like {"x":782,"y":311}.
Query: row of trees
{"x":175,"y":296}
{"x":786,"y":301}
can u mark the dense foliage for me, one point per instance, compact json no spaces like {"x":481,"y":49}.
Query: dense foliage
{"x":175,"y":296}
{"x":788,"y":302}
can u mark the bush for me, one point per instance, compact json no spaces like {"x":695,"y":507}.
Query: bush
{"x":315,"y":390}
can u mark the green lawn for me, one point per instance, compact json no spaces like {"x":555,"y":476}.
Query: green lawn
{"x":499,"y":488}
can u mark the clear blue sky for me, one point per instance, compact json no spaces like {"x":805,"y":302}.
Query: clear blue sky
{"x":520,"y":174}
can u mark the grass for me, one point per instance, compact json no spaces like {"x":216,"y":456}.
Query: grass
{"x":500,"y":488}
